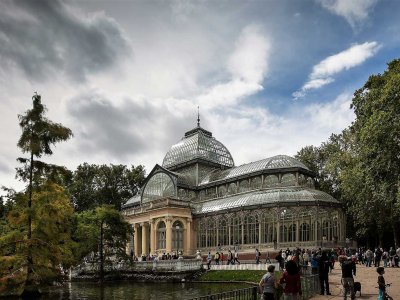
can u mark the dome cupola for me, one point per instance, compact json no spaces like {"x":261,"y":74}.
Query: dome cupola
{"x":198,"y":144}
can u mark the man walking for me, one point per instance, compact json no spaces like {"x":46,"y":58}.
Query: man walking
{"x":323,"y":273}
{"x":348,"y":270}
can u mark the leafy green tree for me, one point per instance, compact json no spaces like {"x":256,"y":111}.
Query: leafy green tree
{"x":103,"y":232}
{"x":377,"y":129}
{"x":38,"y":136}
{"x":50,"y":244}
{"x":94,"y":185}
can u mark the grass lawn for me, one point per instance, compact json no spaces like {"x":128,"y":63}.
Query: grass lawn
{"x":234,"y":275}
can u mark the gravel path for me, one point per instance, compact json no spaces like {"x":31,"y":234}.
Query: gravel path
{"x":368,"y":278}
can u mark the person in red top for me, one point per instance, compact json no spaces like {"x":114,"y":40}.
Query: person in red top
{"x":291,"y":277}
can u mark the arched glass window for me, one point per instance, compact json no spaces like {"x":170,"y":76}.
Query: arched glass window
{"x":256,"y":183}
{"x":251,"y":230}
{"x":202,"y":234}
{"x":292,"y":233}
{"x":304,"y":232}
{"x":161,"y":238}
{"x":221,"y":191}
{"x":335,"y":229}
{"x":288,"y":180}
{"x":244,"y":186}
{"x":271,"y":180}
{"x":211,"y":233}
{"x":223,"y":234}
{"x":236,"y":231}
{"x":159,"y":185}
{"x":283,"y":234}
{"x":177,"y":236}
{"x":232,"y":189}
{"x":326,"y":229}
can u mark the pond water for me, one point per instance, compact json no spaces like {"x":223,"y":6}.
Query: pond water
{"x":137,"y":290}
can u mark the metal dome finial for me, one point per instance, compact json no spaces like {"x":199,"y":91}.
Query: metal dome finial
{"x":198,"y":116}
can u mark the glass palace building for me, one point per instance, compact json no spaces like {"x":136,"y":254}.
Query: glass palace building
{"x":199,"y":200}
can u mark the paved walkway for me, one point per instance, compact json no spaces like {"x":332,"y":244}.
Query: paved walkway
{"x":368,"y":278}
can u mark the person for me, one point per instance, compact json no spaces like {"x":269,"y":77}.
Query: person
{"x":268,"y":284}
{"x":280,"y":260}
{"x":291,"y":277}
{"x":267,"y":259}
{"x":216,"y":258}
{"x":385,"y":256}
{"x":230,"y":258}
{"x":209,"y":258}
{"x":314,"y":263}
{"x":348,"y":270}
{"x":236,"y":258}
{"x":257,"y":256}
{"x":381,"y":283}
{"x":323,"y":273}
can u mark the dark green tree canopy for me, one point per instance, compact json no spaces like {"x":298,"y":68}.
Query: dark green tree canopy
{"x":94,"y":185}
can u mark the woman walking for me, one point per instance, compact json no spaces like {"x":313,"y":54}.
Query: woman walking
{"x":291,"y":277}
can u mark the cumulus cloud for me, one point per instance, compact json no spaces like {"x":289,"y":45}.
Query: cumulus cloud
{"x":322,"y":72}
{"x":43,"y":38}
{"x":123,"y":126}
{"x":247,"y":66}
{"x":354,"y":11}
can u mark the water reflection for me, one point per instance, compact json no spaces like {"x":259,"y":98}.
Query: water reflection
{"x":136,"y":290}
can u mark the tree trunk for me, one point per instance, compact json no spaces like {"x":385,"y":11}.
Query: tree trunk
{"x":394,"y":229}
{"x":31,"y":287}
{"x":101,"y":253}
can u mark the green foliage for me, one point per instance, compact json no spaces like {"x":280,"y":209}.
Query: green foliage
{"x":233,"y":275}
{"x":37,"y":237}
{"x":103,"y":232}
{"x":94,"y":185}
{"x":50,"y":244}
{"x":361,"y":166}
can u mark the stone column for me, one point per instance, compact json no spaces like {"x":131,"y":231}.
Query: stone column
{"x":297,"y":231}
{"x":278,"y":233}
{"x":188,"y":247}
{"x":168,"y":236}
{"x":153,"y":235}
{"x":144,"y":238}
{"x":136,"y":239}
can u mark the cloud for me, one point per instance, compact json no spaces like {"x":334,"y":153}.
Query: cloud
{"x":45,"y":38}
{"x":123,"y":126}
{"x":354,"y":11}
{"x":322,"y":72}
{"x":334,"y":115}
{"x":247,"y":66}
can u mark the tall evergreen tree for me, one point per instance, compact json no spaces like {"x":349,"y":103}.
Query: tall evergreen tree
{"x":38,"y":136}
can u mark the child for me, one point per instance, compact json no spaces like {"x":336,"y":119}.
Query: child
{"x":381,"y":283}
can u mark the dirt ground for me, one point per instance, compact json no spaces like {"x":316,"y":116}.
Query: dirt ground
{"x":368,"y":278}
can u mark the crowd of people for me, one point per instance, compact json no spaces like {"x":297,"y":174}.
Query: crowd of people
{"x":322,"y":262}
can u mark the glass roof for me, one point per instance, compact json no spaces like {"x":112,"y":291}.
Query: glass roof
{"x":275,"y":162}
{"x":135,"y":200}
{"x":270,"y":196}
{"x":198,"y":143}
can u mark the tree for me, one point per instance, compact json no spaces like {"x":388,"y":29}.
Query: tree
{"x":104,"y":232}
{"x":50,"y":244}
{"x":94,"y":185}
{"x":38,"y":136}
{"x":377,"y":128}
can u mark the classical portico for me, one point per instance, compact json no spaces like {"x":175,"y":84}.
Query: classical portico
{"x":161,"y":230}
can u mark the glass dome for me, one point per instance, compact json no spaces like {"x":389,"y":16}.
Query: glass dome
{"x":198,"y":143}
